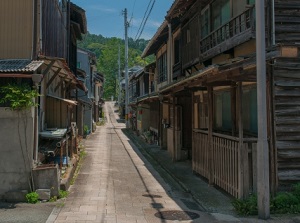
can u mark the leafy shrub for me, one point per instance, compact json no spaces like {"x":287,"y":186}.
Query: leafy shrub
{"x":53,"y":199}
{"x":285,"y":203}
{"x":19,"y":97}
{"x":32,"y":197}
{"x":247,"y":206}
{"x":282,"y":203}
{"x":85,"y":129}
{"x":63,"y":193}
{"x":296,"y":190}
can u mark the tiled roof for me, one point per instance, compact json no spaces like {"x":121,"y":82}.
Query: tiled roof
{"x":18,"y":65}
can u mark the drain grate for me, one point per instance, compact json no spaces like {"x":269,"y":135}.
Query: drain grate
{"x":177,"y":215}
{"x":152,"y":196}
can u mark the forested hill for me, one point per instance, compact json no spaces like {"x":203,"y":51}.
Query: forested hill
{"x":106,"y":50}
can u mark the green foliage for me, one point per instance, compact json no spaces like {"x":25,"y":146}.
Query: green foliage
{"x":107,"y":50}
{"x":247,"y":206}
{"x":296,"y":190}
{"x":85,"y":129}
{"x":18,"y":96}
{"x":282,"y":203}
{"x":63,"y":193}
{"x":32,"y":197}
{"x":81,"y":156}
{"x":285,"y":203}
{"x":53,"y":199}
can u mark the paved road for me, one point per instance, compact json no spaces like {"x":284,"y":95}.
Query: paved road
{"x":117,"y":184}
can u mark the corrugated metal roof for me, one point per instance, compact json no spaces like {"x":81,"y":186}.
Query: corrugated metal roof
{"x":18,"y":65}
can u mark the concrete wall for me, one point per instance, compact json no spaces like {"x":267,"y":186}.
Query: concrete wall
{"x":16,"y":158}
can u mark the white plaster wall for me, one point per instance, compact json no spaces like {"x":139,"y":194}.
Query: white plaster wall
{"x":14,"y":173}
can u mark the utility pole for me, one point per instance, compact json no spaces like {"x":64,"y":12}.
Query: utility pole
{"x":119,"y":79}
{"x":126,"y":24}
{"x":263,"y":189}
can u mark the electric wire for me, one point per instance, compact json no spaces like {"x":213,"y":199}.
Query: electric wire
{"x":145,"y":18}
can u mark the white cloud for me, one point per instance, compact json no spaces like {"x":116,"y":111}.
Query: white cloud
{"x":101,"y":8}
{"x":150,"y":23}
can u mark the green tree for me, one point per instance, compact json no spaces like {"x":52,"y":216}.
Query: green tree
{"x":106,"y":50}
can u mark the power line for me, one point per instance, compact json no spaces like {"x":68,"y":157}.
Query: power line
{"x":132,"y":11}
{"x":145,"y":18}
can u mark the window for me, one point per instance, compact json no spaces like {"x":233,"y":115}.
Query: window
{"x":162,"y":68}
{"x":249,"y":108}
{"x":188,"y":36}
{"x":222,"y":111}
{"x":176,"y":51}
{"x":239,"y":6}
{"x":78,"y":65}
{"x":205,"y":22}
{"x":220,"y":13}
{"x":146,"y":83}
{"x":201,"y":111}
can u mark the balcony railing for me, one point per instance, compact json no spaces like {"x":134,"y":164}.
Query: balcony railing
{"x":177,"y":70}
{"x":235,"y":27}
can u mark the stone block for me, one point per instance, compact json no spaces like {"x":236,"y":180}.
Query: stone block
{"x":44,"y":194}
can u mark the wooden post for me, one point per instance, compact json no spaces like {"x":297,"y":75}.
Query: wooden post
{"x":271,"y":124}
{"x":243,"y":164}
{"x":210,"y":135}
{"x":174,"y":139}
{"x":233,"y":110}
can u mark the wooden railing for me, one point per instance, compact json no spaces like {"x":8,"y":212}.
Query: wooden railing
{"x":223,"y":164}
{"x":177,"y":70}
{"x":235,"y":26}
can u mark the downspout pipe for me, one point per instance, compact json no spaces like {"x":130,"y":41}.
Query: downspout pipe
{"x":169,"y":53}
{"x":41,"y":27}
{"x":273,"y":38}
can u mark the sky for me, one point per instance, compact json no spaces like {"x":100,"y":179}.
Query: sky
{"x":105,"y":16}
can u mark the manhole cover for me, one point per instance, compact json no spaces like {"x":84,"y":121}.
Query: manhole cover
{"x":152,"y":195}
{"x":177,"y":215}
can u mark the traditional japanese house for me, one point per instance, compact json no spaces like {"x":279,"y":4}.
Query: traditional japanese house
{"x":98,"y":92}
{"x":211,"y":101}
{"x":87,"y":63}
{"x":37,"y":43}
{"x":145,"y":115}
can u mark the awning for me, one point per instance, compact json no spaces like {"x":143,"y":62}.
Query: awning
{"x":60,"y":67}
{"x":89,"y":103}
{"x":71,"y":102}
{"x":21,"y":68}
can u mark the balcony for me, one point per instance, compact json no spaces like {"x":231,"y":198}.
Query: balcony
{"x":237,"y":31}
{"x":177,"y":70}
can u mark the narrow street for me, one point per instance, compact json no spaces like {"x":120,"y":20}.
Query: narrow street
{"x":117,"y":184}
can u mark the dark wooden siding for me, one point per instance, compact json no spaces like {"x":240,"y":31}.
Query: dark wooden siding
{"x":154,"y":115}
{"x":287,"y":118}
{"x":57,"y":117}
{"x":190,"y":43}
{"x":54,"y":31}
{"x":287,"y":21}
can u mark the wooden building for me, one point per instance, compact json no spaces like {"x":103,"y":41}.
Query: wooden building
{"x":206,"y":67}
{"x":38,"y":45}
